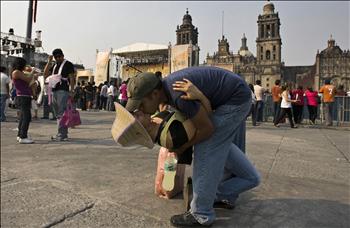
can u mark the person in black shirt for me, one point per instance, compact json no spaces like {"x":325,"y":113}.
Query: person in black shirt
{"x":62,"y":85}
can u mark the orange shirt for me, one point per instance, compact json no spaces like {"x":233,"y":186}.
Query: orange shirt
{"x":276,"y":91}
{"x":328,"y":93}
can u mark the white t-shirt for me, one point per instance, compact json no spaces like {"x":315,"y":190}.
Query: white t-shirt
{"x":285,"y":103}
{"x":110,"y":91}
{"x":104,"y":90}
{"x":5,"y":80}
{"x":259,"y":92}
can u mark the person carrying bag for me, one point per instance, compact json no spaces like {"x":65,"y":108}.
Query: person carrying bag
{"x":71,"y":116}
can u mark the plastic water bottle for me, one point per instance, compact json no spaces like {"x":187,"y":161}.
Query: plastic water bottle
{"x":170,"y":165}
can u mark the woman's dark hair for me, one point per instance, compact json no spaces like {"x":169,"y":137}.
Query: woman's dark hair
{"x":310,"y":89}
{"x":19,"y":64}
{"x":284,"y":87}
{"x":300,"y":87}
{"x":251,"y":87}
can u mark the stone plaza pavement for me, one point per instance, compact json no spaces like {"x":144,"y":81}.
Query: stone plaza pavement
{"x":90,"y":181}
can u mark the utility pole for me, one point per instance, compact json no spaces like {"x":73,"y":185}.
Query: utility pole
{"x":27,"y":51}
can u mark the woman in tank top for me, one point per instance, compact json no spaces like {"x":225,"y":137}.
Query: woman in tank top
{"x":286,"y":107}
{"x":24,"y":99}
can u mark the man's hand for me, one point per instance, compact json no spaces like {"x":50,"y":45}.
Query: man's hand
{"x":190,"y":90}
{"x":50,"y":58}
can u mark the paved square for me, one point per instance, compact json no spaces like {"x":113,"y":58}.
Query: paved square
{"x":90,"y":181}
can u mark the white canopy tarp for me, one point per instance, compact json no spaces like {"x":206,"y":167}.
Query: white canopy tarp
{"x":137,"y":47}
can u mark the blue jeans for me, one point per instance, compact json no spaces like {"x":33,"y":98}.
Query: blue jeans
{"x":59,"y":105}
{"x":259,"y":111}
{"x":217,"y":159}
{"x":3,"y":98}
{"x":276,"y":110}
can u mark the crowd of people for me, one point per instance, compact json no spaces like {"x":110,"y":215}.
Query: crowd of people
{"x":25,"y":82}
{"x":291,"y":102}
{"x":28,"y":88}
{"x":215,"y":101}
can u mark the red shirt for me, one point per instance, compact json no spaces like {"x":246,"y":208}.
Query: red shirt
{"x":298,"y":94}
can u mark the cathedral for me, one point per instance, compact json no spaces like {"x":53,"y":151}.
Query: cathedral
{"x":332,"y":62}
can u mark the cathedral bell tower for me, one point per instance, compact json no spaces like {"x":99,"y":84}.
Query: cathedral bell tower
{"x":268,"y":45}
{"x":186,"y":33}
{"x":223,"y":47}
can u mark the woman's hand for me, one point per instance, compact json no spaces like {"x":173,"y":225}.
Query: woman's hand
{"x":190,"y":90}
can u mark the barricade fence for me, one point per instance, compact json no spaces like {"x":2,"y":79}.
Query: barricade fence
{"x":341,"y":110}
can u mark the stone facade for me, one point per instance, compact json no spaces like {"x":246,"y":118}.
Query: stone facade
{"x":267,"y":66}
{"x":333,"y":63}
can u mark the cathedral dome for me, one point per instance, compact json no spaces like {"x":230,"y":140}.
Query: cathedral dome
{"x":269,"y":8}
{"x":187,"y":19}
{"x":245,"y":53}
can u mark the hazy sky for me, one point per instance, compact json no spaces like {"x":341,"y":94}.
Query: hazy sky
{"x":79,"y":28}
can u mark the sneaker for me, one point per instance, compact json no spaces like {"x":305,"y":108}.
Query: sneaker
{"x":225,"y":204}
{"x":186,"y":219}
{"x":53,"y":119}
{"x":28,"y":137}
{"x":59,"y":138}
{"x":26,"y":141}
{"x":44,"y":118}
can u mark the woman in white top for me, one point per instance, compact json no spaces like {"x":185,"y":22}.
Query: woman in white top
{"x":286,"y":107}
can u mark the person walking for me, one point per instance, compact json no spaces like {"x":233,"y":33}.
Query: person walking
{"x":4,"y":92}
{"x":259,"y":94}
{"x":61,"y":82}
{"x":83,"y":96}
{"x":298,"y":106}
{"x":47,"y":109}
{"x":329,"y":92}
{"x":89,"y":96}
{"x":104,"y":96}
{"x":253,"y":107}
{"x":123,"y":92}
{"x":312,"y":104}
{"x":215,"y":154}
{"x":276,"y":98}
{"x":110,"y":95}
{"x":286,"y":107}
{"x":77,"y":95}
{"x":24,"y":99}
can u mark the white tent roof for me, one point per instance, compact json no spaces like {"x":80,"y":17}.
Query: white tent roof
{"x":139,"y":47}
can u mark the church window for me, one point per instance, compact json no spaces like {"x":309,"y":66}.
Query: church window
{"x":274,"y":56}
{"x":274,"y":47}
{"x":267,"y":79}
{"x":273,"y":30}
{"x":268,"y":31}
{"x":262,"y":31}
{"x":268,"y":54}
{"x":261,"y":49}
{"x":261,"y":57}
{"x":267,"y":85}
